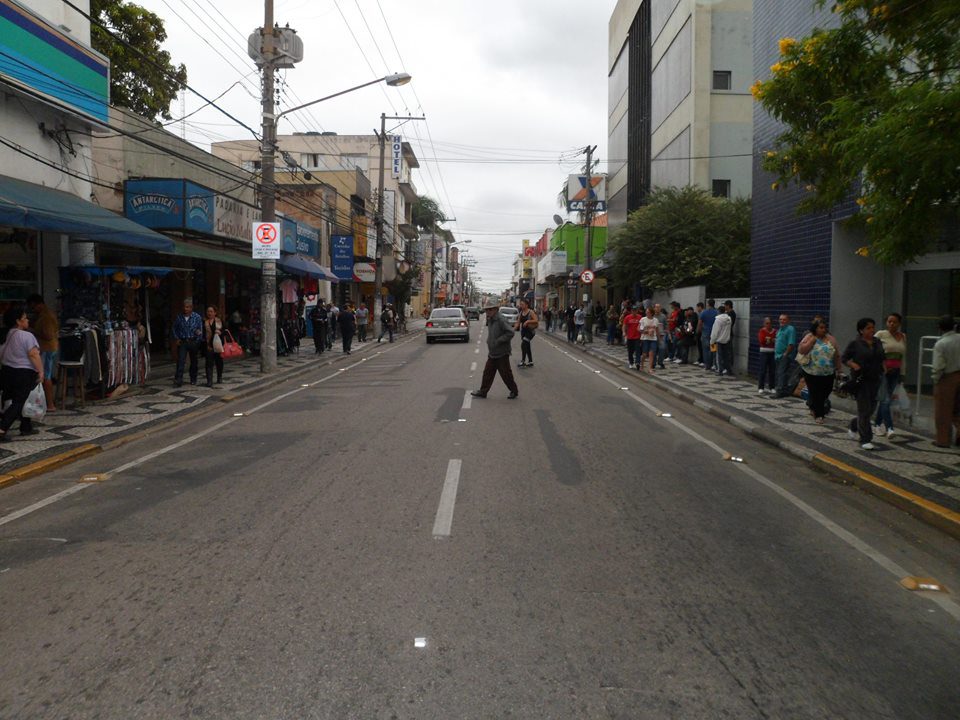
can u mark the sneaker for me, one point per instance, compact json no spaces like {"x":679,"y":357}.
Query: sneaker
{"x":890,"y":432}
{"x":879,"y":430}
{"x":761,"y":391}
{"x":852,"y":435}
{"x":868,"y":446}
{"x":529,"y":364}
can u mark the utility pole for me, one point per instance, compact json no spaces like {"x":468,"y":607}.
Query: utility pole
{"x":268,"y":207}
{"x":588,"y":210}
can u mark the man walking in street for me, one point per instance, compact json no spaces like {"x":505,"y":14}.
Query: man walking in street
{"x":188,"y":332}
{"x":784,"y":352}
{"x":363,"y":317}
{"x":499,"y":337}
{"x":387,"y":318}
{"x":946,"y":382}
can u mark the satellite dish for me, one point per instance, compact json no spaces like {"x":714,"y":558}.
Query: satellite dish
{"x":558,"y":220}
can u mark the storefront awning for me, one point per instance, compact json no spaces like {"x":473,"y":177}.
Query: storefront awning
{"x":25,"y":205}
{"x":192,"y":250}
{"x":300,"y":265}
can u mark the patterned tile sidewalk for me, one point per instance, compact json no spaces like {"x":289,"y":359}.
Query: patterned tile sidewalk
{"x":907,"y":459}
{"x":156,"y":401}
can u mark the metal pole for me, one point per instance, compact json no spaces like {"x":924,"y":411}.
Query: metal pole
{"x":378,"y":277}
{"x":268,"y":268}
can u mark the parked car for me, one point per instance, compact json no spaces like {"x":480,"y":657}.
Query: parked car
{"x":448,"y":322}
{"x":473,"y":313}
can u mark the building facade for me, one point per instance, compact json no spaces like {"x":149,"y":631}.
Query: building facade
{"x":679,"y":109}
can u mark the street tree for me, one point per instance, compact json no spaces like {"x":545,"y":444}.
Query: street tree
{"x":685,"y":236}
{"x":872,"y":111}
{"x":401,"y":287}
{"x":427,"y":213}
{"x":142,"y":77}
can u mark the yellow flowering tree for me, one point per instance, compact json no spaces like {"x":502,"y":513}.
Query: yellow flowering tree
{"x":872,"y":108}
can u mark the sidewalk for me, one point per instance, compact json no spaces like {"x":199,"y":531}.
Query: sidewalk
{"x":74,"y":432}
{"x":906,"y":468}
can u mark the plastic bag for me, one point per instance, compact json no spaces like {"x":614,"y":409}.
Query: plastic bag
{"x":35,"y":407}
{"x":900,"y":399}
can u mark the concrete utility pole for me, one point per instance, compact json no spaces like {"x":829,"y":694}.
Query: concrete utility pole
{"x":378,"y":277}
{"x":588,"y":211}
{"x":268,"y":207}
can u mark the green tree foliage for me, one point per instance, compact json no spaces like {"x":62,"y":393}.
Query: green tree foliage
{"x":872,"y":107}
{"x":427,"y":213}
{"x":142,"y":77}
{"x":401,"y":286}
{"x":685,"y":236}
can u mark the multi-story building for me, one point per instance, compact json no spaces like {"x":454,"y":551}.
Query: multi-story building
{"x":809,"y":263}
{"x":679,"y":99}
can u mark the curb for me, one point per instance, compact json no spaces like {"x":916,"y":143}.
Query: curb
{"x":929,"y":512}
{"x":67,"y":457}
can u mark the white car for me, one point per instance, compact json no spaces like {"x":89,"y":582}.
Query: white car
{"x":448,"y":322}
{"x":510,"y":313}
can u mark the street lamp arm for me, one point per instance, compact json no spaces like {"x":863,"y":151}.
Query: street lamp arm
{"x":393,"y":80}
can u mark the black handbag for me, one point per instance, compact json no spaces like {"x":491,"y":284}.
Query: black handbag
{"x":849,"y":386}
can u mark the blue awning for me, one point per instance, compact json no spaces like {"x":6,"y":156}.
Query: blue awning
{"x":300,"y":265}
{"x":26,"y":205}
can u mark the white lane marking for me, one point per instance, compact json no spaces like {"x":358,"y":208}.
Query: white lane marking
{"x":444,"y":520}
{"x":43,"y":503}
{"x":473,"y":367}
{"x":467,"y":399}
{"x":139,"y":461}
{"x":477,"y":351}
{"x":948,"y":605}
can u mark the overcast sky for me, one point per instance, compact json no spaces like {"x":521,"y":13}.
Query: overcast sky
{"x":512,"y":90}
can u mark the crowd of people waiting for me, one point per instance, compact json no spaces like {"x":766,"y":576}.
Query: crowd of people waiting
{"x":870,"y":369}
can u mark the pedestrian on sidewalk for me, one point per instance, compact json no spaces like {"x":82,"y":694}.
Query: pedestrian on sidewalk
{"x":579,"y":318}
{"x":527,"y":326}
{"x":334,"y":312}
{"x":673,"y":331}
{"x":22,"y":368}
{"x":589,"y":317}
{"x":499,"y":338}
{"x":767,"y":339}
{"x":348,"y":327}
{"x":387,"y":318}
{"x":548,"y":317}
{"x":571,"y":318}
{"x":784,"y":351}
{"x":613,"y":321}
{"x":687,"y":336}
{"x":46,"y":327}
{"x":820,"y":366}
{"x":631,"y":331}
{"x":188,"y":332}
{"x":707,"y":318}
{"x":649,"y":338}
{"x":697,"y":332}
{"x":946,"y":382}
{"x":864,"y":355}
{"x":661,"y":317}
{"x":363,"y":317}
{"x":894,"y":342}
{"x":213,"y":346}
{"x":720,"y":337}
{"x":319,"y":319}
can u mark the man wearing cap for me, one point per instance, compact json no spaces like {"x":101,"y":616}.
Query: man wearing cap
{"x":499,"y":337}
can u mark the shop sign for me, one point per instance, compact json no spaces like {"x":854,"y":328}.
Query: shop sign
{"x":266,"y":241}
{"x":308,"y":240}
{"x":231,"y":218}
{"x":365,"y":272}
{"x":289,"y":234}
{"x":341,"y":256}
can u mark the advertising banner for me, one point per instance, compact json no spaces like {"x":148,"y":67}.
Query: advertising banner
{"x":396,"y":150}
{"x":341,"y":256}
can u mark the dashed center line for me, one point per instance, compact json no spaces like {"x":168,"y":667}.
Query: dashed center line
{"x":444,"y":519}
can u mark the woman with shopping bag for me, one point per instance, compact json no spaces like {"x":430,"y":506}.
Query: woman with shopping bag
{"x":213,"y":332}
{"x":22,"y":369}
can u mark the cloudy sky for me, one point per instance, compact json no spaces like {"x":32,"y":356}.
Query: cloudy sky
{"x":512,"y":90}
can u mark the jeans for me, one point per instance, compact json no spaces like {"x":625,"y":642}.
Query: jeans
{"x":347,"y":336}
{"x":785,"y":366}
{"x":184,"y":348}
{"x":661,"y":354}
{"x":707,"y":352}
{"x":671,"y":346}
{"x":725,"y":357}
{"x":768,"y":371}
{"x":866,"y":404}
{"x":888,"y":385}
{"x":385,"y":329}
{"x":361,"y":332}
{"x":611,"y":333}
{"x":633,"y":351}
{"x":526,"y":354}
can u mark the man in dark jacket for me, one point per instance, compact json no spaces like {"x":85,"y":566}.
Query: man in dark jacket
{"x":499,"y":337}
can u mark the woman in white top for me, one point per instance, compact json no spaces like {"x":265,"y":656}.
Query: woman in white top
{"x":22,"y":369}
{"x":650,"y":332}
{"x":894,"y":342}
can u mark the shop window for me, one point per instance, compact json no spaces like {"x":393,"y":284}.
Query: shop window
{"x":722,"y":80}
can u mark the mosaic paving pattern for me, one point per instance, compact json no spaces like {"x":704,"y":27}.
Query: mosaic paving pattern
{"x":910,"y":457}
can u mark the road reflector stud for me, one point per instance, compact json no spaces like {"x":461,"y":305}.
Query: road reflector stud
{"x":597,"y":372}
{"x":663,"y":414}
{"x":732,"y":458}
{"x":917,"y":584}
{"x":624,"y":388}
{"x":420,"y":642}
{"x":239,"y":414}
{"x":92,"y":478}
{"x":305,"y":385}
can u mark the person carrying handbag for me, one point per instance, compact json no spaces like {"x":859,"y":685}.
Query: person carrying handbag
{"x":22,"y":369}
{"x":526,"y":324}
{"x":213,"y":335}
{"x":864,"y":355}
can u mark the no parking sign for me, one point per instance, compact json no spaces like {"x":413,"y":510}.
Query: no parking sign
{"x":266,"y":241}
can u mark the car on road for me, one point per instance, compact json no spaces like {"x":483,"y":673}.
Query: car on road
{"x":448,"y":322}
{"x":510,"y":313}
{"x":473,"y":313}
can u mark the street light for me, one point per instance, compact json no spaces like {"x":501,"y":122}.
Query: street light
{"x":268,"y":268}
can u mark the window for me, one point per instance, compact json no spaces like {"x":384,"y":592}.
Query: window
{"x":311,"y":161}
{"x":722,"y":80}
{"x":251,"y":165}
{"x":721,"y":188}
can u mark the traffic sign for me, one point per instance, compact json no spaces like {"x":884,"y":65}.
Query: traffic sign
{"x":266,"y":241}
{"x":587,"y":276}
{"x":571,"y":282}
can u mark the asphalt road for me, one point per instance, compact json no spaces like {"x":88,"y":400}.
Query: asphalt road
{"x":378,"y":545}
